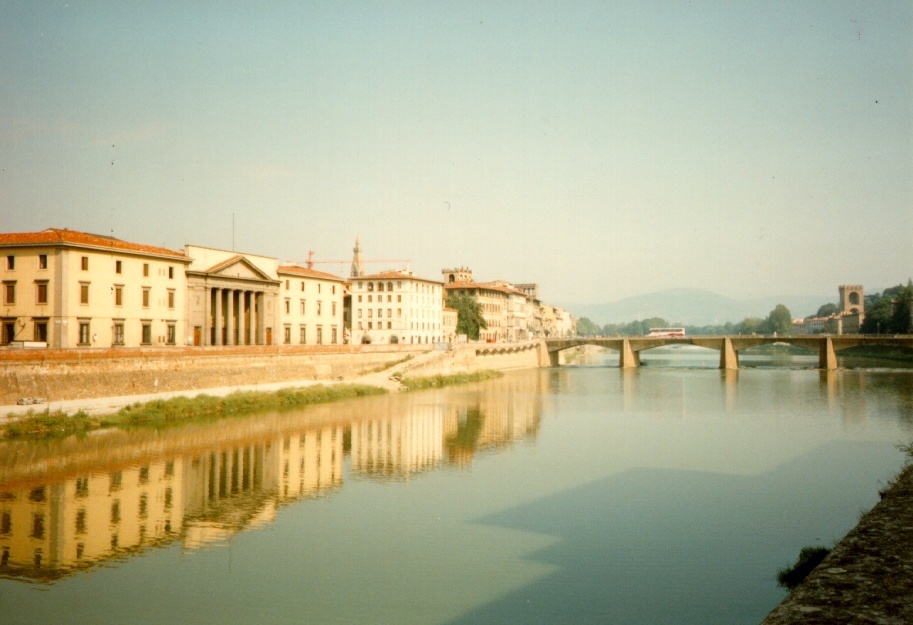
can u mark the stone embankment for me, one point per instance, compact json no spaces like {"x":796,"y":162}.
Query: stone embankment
{"x":99,"y":381}
{"x":868,"y":576}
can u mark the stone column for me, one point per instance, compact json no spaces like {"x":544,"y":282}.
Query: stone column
{"x":242,"y":296}
{"x":217,"y":321}
{"x":230,"y":318}
{"x":207,"y":315}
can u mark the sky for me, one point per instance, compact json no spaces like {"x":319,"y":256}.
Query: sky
{"x":600,"y":149}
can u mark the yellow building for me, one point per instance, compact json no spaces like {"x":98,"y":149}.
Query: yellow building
{"x":311,"y":306}
{"x":396,"y":307}
{"x":64,"y":288}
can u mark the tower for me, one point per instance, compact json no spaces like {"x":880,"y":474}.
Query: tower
{"x":358,"y":268}
{"x":851,"y":299}
{"x":460,"y":274}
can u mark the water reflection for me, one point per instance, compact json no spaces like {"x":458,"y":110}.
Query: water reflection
{"x":72,"y":505}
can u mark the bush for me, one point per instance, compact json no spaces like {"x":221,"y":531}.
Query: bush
{"x":809,"y":558}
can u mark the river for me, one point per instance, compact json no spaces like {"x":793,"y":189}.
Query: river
{"x":581,"y":494}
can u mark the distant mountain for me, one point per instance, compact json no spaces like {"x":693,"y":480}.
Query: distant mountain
{"x":695,"y":307}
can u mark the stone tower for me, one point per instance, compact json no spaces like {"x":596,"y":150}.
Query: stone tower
{"x":358,"y":267}
{"x":461,"y":274}
{"x":851,"y":299}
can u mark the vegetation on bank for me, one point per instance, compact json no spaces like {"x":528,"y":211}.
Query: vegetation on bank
{"x":809,"y":558}
{"x":439,"y":381}
{"x":179,"y":410}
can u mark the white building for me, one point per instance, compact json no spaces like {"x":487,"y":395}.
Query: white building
{"x":396,"y":307}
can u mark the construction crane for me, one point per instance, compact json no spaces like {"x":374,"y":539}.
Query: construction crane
{"x":310,"y":262}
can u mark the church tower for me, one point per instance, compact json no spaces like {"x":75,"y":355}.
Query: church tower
{"x":358,"y":268}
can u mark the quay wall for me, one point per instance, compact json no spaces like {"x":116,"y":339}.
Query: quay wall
{"x":59,"y":375}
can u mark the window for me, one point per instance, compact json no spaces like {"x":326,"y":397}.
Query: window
{"x":319,"y":307}
{"x":118,"y":266}
{"x":9,"y":292}
{"x":171,"y":273}
{"x":10,"y":262}
{"x":41,"y":330}
{"x":84,"y":263}
{"x":145,"y":297}
{"x":9,"y":332}
{"x":147,"y":333}
{"x":287,"y":287}
{"x":318,"y":287}
{"x":334,"y":335}
{"x":389,"y":286}
{"x":83,"y":332}
{"x":334,"y":309}
{"x":320,"y":335}
{"x":118,"y":335}
{"x":171,"y":298}
{"x":145,"y":270}
{"x":41,"y":295}
{"x":172,"y":336}
{"x":118,"y":295}
{"x":301,"y":305}
{"x":334,"y":289}
{"x":302,"y":286}
{"x":303,"y":335}
{"x":380,"y":287}
{"x":83,"y":293}
{"x":42,"y":261}
{"x":288,"y":305}
{"x":287,"y":334}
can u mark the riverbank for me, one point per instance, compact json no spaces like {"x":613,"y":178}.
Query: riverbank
{"x":868,"y":576}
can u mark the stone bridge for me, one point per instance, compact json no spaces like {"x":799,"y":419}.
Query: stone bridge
{"x":629,"y":348}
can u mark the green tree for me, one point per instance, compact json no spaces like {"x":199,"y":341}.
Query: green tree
{"x":826,"y":310}
{"x":751,"y":325}
{"x":780,"y":320}
{"x":469,"y":315}
{"x":585,"y":327}
{"x":877,"y":316}
{"x":902,"y":316}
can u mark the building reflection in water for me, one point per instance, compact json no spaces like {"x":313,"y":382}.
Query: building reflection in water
{"x":101,"y":510}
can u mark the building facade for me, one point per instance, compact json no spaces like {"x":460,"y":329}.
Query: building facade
{"x":311,"y":306}
{"x":396,"y":307}
{"x":64,"y":288}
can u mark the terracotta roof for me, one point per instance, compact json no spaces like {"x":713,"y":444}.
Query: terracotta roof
{"x":309,"y":273}
{"x":488,"y":286}
{"x":56,"y":236}
{"x":395,"y":275}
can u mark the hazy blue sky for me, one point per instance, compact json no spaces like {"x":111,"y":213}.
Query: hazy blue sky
{"x":601,"y":149}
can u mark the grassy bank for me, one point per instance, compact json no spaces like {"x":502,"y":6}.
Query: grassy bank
{"x":179,"y":410}
{"x":439,"y":381}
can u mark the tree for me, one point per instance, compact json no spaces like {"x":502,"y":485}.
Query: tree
{"x":751,"y":325}
{"x":902,"y":317}
{"x":826,"y":310}
{"x":780,"y":320}
{"x":585,"y":327}
{"x":469,"y":315}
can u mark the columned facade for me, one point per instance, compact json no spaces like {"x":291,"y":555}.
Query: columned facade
{"x":234,"y":301}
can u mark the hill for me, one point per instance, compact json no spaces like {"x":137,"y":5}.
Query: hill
{"x":695,"y":307}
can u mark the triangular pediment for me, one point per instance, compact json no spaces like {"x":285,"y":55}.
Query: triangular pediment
{"x":238,"y":267}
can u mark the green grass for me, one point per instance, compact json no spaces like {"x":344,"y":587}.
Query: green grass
{"x":440,"y":381}
{"x":179,"y":410}
{"x":809,"y":558}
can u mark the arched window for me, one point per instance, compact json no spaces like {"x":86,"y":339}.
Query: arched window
{"x":380,"y":286}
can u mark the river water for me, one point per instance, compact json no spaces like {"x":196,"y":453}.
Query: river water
{"x":579,"y":494}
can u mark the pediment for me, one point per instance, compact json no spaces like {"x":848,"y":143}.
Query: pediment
{"x":238,"y":267}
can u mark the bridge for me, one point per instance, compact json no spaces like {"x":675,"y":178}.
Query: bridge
{"x":629,"y":348}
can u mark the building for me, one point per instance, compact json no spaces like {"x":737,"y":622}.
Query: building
{"x":64,"y":288}
{"x":311,"y":306}
{"x":396,"y":307}
{"x":232,"y":297}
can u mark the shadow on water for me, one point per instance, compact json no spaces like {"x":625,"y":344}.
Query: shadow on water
{"x":684,"y":548}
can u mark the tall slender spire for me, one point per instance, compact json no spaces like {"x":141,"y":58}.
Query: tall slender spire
{"x":357,"y":261}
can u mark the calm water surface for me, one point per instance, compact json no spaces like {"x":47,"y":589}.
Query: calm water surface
{"x":582,"y":494}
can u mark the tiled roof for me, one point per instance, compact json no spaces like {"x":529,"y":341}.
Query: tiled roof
{"x":487,"y":286}
{"x":309,"y":273}
{"x":395,"y":275}
{"x":56,"y":236}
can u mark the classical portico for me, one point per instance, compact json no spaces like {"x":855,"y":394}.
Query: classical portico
{"x":233,"y":302}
